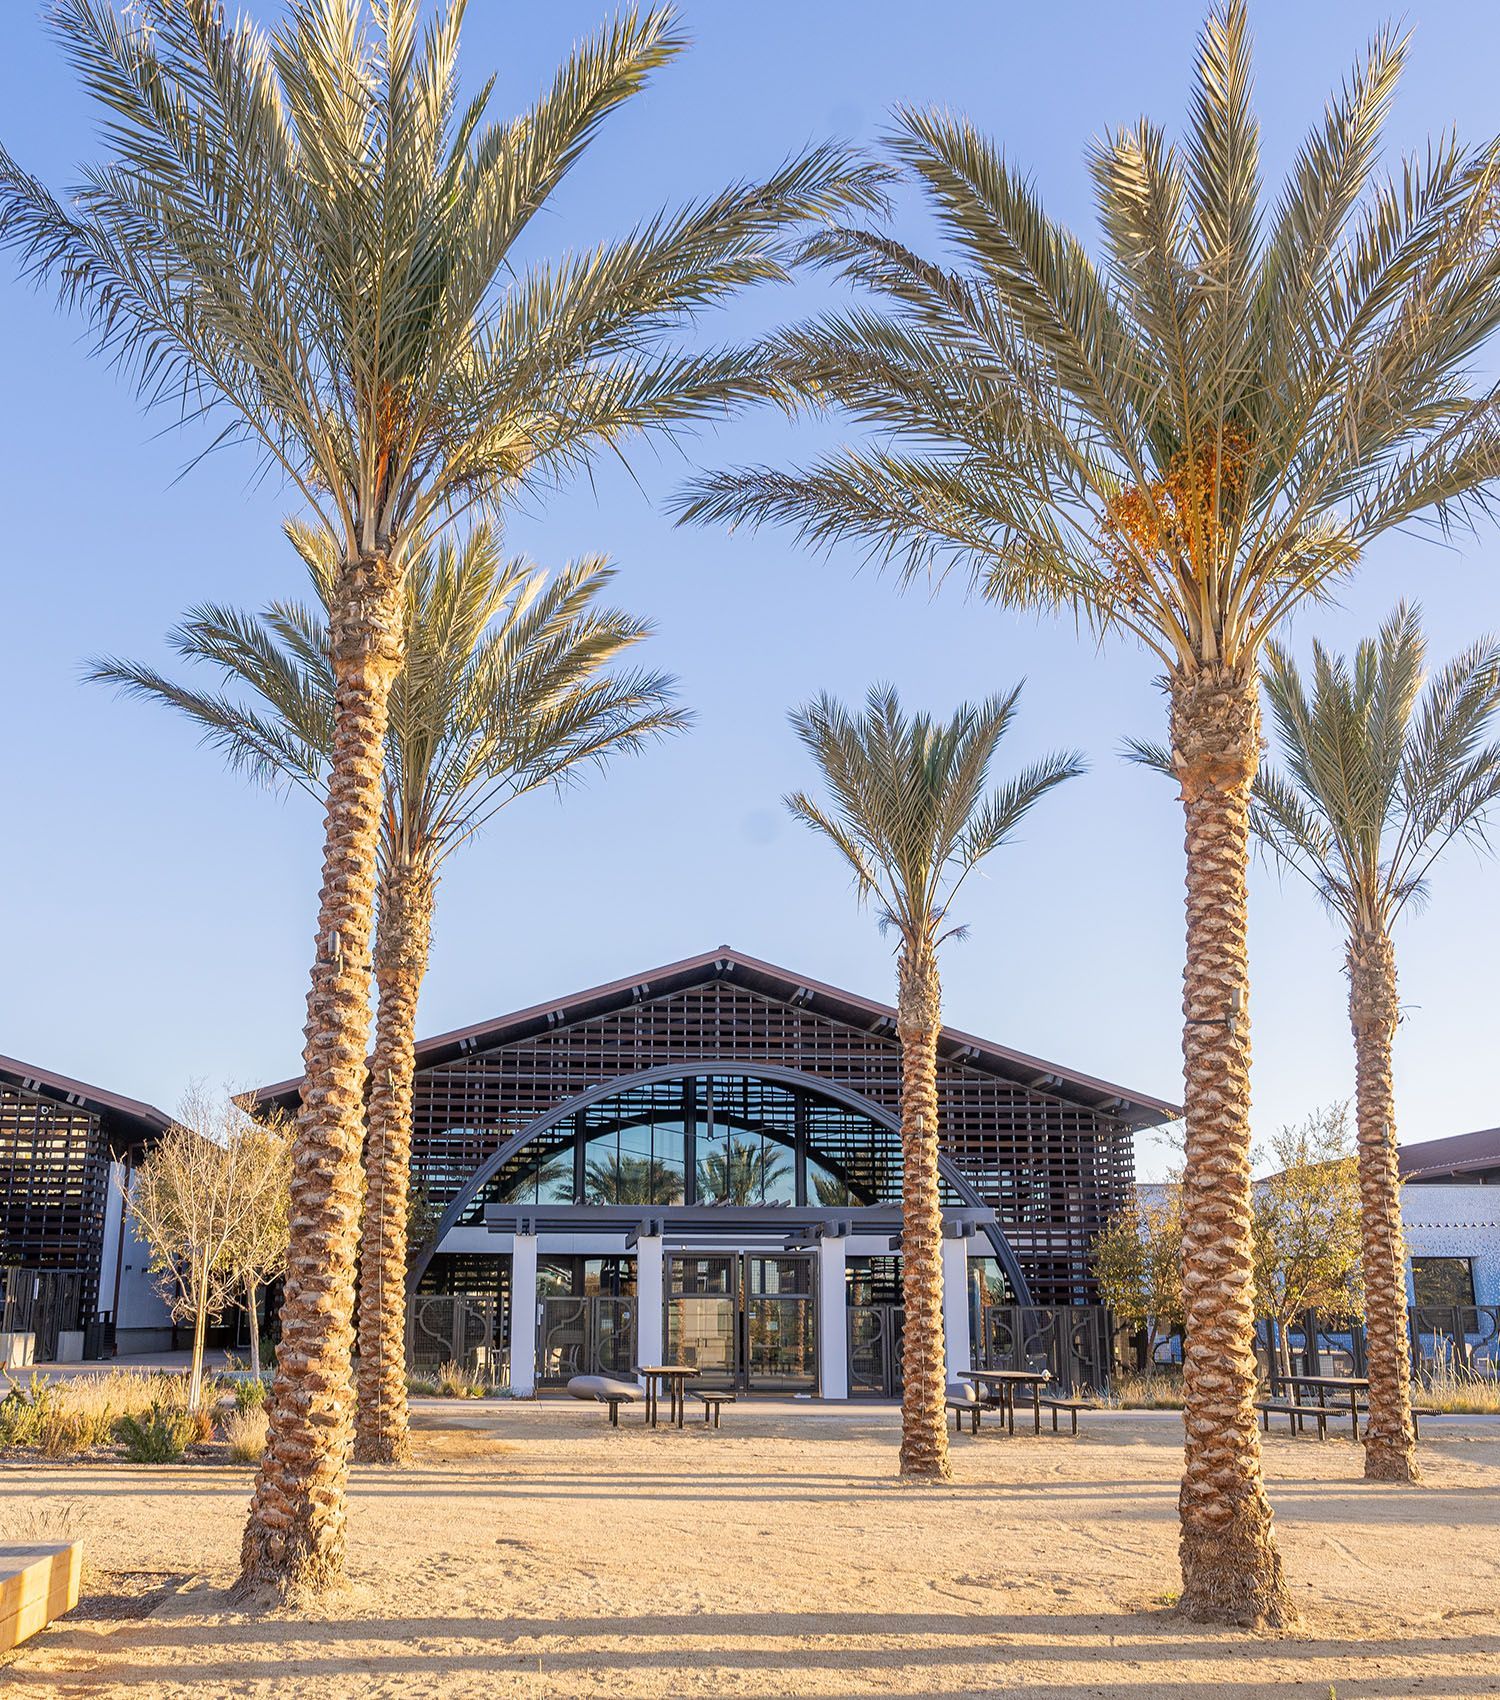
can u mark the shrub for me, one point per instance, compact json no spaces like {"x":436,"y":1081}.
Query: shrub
{"x":160,"y":1435}
{"x":251,"y":1394}
{"x":245,"y":1431}
{"x":421,"y":1384}
{"x":24,"y":1410}
{"x":1158,"y":1390}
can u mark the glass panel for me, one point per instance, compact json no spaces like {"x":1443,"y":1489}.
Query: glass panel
{"x":711,"y":1275}
{"x":700,"y":1333}
{"x":669,"y":1162}
{"x":781,"y":1338}
{"x":779,"y":1275}
{"x":1442,"y":1280}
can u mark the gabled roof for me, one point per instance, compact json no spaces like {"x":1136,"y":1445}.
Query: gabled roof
{"x":1459,"y":1154}
{"x":1131,"y":1108}
{"x":126,"y":1121}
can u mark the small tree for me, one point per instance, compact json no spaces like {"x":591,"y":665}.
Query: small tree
{"x":1307,"y":1222}
{"x":259,"y":1241}
{"x":213,"y":1174}
{"x":1138,"y":1265}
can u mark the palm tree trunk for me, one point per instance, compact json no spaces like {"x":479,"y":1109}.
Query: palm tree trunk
{"x":924,"y":1420}
{"x":403,"y":937}
{"x":1231,"y":1571}
{"x":295,"y":1535}
{"x":1390,"y":1441}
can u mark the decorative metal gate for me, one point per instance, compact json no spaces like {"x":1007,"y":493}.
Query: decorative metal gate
{"x":1071,"y":1342}
{"x":462,"y":1328}
{"x":875,"y":1335}
{"x":592,"y":1335}
{"x":42,"y":1302}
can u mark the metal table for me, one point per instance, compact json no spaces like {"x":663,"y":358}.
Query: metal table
{"x":1322,"y":1385}
{"x":1005,"y":1382}
{"x":674,"y":1377}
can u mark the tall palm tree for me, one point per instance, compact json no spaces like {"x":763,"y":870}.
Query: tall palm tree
{"x":912,"y":816}
{"x":1179,"y":442}
{"x":1381,"y":775}
{"x":305,"y":234}
{"x":505,"y":687}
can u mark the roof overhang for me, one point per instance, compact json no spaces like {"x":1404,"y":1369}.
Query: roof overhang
{"x":1130,"y":1108}
{"x":127,"y":1122}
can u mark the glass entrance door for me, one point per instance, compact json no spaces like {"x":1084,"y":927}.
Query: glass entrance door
{"x":744,"y":1320}
{"x":703,"y":1317}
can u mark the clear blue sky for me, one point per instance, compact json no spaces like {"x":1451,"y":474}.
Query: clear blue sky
{"x":158,"y":913}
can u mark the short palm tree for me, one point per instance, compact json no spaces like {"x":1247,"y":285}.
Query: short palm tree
{"x":1380,"y":777}
{"x":911,"y":814}
{"x":1180,"y":442}
{"x":306,"y":235}
{"x":505,"y":687}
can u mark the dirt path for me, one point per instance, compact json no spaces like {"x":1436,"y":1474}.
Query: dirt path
{"x":532,"y":1551}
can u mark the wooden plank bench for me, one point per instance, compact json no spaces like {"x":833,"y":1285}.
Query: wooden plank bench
{"x":713,"y":1405}
{"x":1417,"y":1413}
{"x":1320,"y":1414}
{"x":959,"y":1407}
{"x":1056,"y":1403}
{"x":37,"y":1584}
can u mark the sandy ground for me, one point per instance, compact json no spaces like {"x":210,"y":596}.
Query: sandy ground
{"x":532,"y":1551}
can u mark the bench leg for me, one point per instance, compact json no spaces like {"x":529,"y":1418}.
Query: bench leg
{"x":1074,"y":1416}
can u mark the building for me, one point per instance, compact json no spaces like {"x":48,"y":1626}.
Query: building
{"x":1450,"y":1207}
{"x":71,"y":1271}
{"x":703,"y":1162}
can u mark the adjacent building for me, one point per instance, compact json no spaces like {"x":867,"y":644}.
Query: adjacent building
{"x":71,"y":1271}
{"x":1450,"y":1207}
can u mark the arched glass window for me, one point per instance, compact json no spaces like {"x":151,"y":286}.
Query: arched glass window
{"x":704,"y":1139}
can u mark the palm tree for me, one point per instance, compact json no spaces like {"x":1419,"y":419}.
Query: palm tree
{"x":505,"y":687}
{"x":912,"y":817}
{"x":306,"y":235}
{"x":614,"y":1179}
{"x":1180,"y":442}
{"x":1381,"y":776}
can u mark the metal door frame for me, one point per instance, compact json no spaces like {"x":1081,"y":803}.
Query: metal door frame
{"x":740,"y":1379}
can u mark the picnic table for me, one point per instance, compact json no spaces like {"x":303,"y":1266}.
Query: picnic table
{"x":1323,"y":1386}
{"x":1002,"y":1385}
{"x":674,"y":1377}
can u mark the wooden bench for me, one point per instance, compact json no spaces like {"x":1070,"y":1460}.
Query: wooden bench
{"x":1417,"y":1413}
{"x":958,"y":1407}
{"x":1286,"y":1408}
{"x":1056,"y":1403}
{"x":713,"y":1404}
{"x":37,"y":1584}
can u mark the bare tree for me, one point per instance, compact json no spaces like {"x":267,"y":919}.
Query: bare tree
{"x":212,"y":1174}
{"x":259,"y":1242}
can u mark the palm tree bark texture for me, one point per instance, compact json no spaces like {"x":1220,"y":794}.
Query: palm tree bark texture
{"x":1231,"y":1570}
{"x":1390,"y":1441}
{"x":924,"y":1426}
{"x":295,"y":1536}
{"x":403,"y":937}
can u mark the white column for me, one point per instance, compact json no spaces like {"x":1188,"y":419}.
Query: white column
{"x":649,"y":1299}
{"x":956,"y":1306}
{"x":833,"y":1319}
{"x":523,"y":1303}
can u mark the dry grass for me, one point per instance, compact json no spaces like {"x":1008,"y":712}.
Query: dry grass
{"x":245,"y":1435}
{"x":1158,"y":1390}
{"x":70,"y":1418}
{"x":1459,"y":1392}
{"x":455,"y":1382}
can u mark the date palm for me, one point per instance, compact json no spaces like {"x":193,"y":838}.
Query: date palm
{"x":305,"y":236}
{"x":1179,"y":441}
{"x":912,"y":815}
{"x":505,"y":686}
{"x":1380,"y":776}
